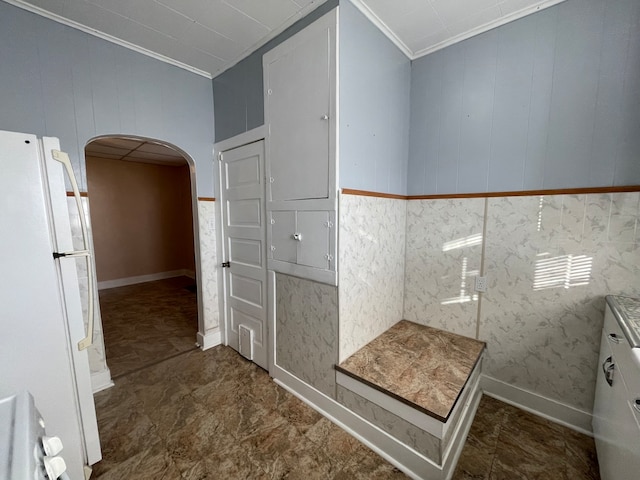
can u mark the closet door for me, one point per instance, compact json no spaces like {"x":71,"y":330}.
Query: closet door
{"x":298,"y":111}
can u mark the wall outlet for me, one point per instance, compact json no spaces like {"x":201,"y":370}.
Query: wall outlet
{"x":481,"y":284}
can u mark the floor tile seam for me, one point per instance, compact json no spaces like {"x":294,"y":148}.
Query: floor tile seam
{"x":494,"y":448}
{"x":162,"y":360}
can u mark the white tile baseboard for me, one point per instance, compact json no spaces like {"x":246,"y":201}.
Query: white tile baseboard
{"x":122,"y":282}
{"x":537,"y":404}
{"x":210,"y":339}
{"x":101,"y":380}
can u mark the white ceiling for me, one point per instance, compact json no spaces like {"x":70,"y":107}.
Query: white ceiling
{"x":134,"y":150}
{"x":420,"y":27}
{"x":210,"y":36}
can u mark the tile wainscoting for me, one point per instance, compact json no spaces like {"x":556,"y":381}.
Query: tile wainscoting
{"x":101,"y":377}
{"x":307,"y":331}
{"x":371,"y":268}
{"x":209,"y":272}
{"x":444,"y":254}
{"x":549,"y":260}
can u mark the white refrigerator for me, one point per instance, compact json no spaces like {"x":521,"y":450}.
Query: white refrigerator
{"x":43,"y":335}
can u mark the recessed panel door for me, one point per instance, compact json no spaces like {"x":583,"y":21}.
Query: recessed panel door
{"x":244,"y":237}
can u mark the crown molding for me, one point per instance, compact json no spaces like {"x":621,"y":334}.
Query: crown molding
{"x":105,"y":36}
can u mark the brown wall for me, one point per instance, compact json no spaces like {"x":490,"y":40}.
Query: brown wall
{"x":141,"y":218}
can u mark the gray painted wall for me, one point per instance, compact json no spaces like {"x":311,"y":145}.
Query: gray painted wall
{"x":549,"y":101}
{"x":375,"y":78}
{"x":238,"y":92}
{"x":58,"y":81}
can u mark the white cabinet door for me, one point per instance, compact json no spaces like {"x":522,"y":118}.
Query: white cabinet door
{"x":283,"y":245}
{"x":299,"y":109}
{"x":302,"y":238}
{"x":313,"y":248}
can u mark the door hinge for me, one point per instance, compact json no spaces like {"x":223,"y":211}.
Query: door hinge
{"x":219,"y":156}
{"x":226,"y":264}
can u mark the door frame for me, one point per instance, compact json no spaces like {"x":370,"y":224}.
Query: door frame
{"x":251,"y":136}
{"x":195,"y":226}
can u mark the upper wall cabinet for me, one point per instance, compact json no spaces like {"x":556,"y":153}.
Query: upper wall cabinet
{"x":300,"y":79}
{"x":300,"y":107}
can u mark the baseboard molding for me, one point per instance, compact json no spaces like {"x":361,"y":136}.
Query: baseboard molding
{"x":210,"y":339}
{"x":101,"y":380}
{"x":411,"y":462}
{"x":123,"y":282}
{"x":552,"y":410}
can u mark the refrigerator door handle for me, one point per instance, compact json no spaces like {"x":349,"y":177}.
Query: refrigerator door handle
{"x":63,"y":158}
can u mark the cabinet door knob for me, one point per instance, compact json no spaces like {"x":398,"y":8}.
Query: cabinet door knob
{"x":324,"y":117}
{"x":297,"y":237}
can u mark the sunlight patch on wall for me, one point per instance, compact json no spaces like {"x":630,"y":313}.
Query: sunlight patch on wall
{"x":470,"y":241}
{"x":564,"y":271}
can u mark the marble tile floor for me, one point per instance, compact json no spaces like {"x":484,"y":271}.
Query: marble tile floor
{"x":424,"y":367}
{"x":148,"y":322}
{"x":214,"y":415}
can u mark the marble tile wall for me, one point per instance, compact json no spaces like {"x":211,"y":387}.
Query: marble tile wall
{"x":96,"y":352}
{"x":407,"y":433}
{"x":443,"y":257}
{"x":208,"y":264}
{"x":549,"y":262}
{"x":307,"y":331}
{"x":371,"y":268}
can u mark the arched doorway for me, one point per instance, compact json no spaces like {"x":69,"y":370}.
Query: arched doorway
{"x":145,"y":234}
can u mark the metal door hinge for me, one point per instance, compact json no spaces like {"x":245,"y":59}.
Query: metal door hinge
{"x":219,"y":156}
{"x":328,"y":224}
{"x":226,"y":264}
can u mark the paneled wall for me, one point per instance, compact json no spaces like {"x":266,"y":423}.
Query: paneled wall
{"x":58,"y":81}
{"x":374,"y":107}
{"x":209,"y":265}
{"x":549,"y":262}
{"x":307,"y":331}
{"x":371,"y":268}
{"x":444,"y":255}
{"x":239,"y":91}
{"x":548,"y":101}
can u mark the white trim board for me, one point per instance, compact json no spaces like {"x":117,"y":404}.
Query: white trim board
{"x":373,"y":18}
{"x":101,"y":380}
{"x":122,"y":282}
{"x":210,"y":339}
{"x":537,"y":404}
{"x":250,"y":136}
{"x":411,"y":462}
{"x":395,"y":452}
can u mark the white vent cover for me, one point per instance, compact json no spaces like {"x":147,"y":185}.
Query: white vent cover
{"x":246,"y":341}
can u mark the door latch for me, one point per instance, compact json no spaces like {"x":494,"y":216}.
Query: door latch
{"x":226,"y":264}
